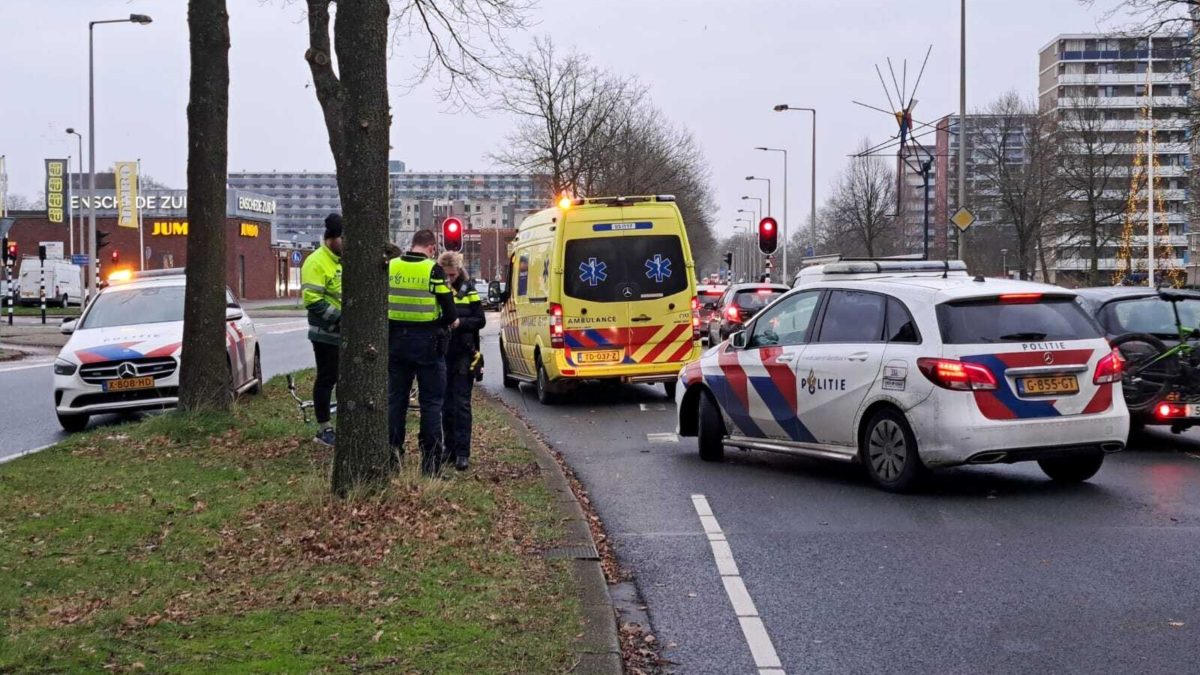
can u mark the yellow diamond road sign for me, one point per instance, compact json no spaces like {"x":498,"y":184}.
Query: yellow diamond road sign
{"x":962,"y":218}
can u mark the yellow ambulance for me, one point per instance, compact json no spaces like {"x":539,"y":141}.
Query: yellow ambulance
{"x":600,"y":289}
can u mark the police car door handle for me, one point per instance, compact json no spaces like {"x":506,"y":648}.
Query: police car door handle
{"x":858,"y":356}
{"x":785,"y":358}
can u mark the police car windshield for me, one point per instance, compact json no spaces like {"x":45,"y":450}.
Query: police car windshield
{"x":993,"y":320}
{"x":624,"y":268}
{"x":154,"y":304}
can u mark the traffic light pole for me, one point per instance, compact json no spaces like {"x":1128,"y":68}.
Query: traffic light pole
{"x":92,"y":285}
{"x":6,"y":301}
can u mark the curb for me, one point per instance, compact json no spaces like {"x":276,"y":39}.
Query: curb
{"x":598,"y":648}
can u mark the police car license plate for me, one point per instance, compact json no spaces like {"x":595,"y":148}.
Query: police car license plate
{"x":128,"y":383}
{"x":599,"y":356}
{"x":1045,"y":386}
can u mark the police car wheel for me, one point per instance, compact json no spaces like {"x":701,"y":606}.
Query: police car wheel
{"x":889,"y":453}
{"x":544,"y":393}
{"x":509,"y":381}
{"x":711,"y":430}
{"x":73,"y":423}
{"x":1072,"y":469}
{"x":258,"y":375}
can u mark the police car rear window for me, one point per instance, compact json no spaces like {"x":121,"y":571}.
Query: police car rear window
{"x":624,"y":268}
{"x":1014,"y":318}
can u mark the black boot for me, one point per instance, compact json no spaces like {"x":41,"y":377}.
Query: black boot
{"x":461,"y":463}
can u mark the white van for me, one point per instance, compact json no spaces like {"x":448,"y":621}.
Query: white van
{"x":64,"y":282}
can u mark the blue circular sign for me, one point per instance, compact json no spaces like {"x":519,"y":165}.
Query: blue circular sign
{"x":296,"y":257}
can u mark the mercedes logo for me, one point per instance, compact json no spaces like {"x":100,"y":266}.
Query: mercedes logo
{"x":1048,"y":358}
{"x":627,"y":292}
{"x":126,"y":370}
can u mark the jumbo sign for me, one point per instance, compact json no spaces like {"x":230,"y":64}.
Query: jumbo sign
{"x":169,"y":228}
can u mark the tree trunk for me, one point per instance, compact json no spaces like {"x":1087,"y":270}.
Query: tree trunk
{"x":1094,"y":244}
{"x":356,"y":111}
{"x":204,"y":381}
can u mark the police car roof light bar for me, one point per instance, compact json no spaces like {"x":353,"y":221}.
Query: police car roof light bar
{"x":879,"y":266}
{"x":152,"y":274}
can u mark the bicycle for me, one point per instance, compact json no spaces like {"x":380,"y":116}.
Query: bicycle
{"x":1152,"y":369}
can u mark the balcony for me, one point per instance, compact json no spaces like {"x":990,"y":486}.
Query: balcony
{"x":1122,"y":78}
{"x":1121,"y":101}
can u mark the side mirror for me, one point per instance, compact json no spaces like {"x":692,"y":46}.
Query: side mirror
{"x":67,"y":327}
{"x":738,"y":340}
{"x":234,"y":314}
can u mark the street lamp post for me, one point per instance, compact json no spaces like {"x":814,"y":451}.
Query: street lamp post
{"x":784,"y":274}
{"x":770,"y":209}
{"x":782,"y":108}
{"x":1004,"y":262}
{"x":141,"y":19}
{"x":70,"y":195}
{"x":744,"y":263}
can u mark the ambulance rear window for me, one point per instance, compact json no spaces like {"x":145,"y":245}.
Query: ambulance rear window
{"x":624,"y":268}
{"x":1000,"y":319}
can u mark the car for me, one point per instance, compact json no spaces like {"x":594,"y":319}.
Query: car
{"x":709,"y":297}
{"x":600,"y":289}
{"x":1131,"y":309}
{"x":737,"y":305}
{"x":902,"y":369}
{"x":123,"y":354}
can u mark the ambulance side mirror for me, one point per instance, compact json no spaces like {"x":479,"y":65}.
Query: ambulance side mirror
{"x":494,"y":292}
{"x":738,"y":340}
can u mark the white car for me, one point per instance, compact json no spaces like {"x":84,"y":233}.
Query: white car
{"x":124,"y":351}
{"x":907,"y":366}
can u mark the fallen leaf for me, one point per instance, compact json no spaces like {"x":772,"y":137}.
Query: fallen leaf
{"x":378,"y":634}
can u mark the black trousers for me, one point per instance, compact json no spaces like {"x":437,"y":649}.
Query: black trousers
{"x":414,"y":353}
{"x":327,"y":375}
{"x":456,"y":412}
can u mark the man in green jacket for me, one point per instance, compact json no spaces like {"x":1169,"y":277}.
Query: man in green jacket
{"x":321,"y":281}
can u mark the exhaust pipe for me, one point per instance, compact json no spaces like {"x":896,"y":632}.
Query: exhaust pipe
{"x":1109,"y":448}
{"x":988,"y":457}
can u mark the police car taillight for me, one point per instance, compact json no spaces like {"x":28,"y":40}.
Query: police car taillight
{"x":957,"y":375}
{"x":556,"y":325}
{"x":695,"y":317}
{"x":1108,"y":370}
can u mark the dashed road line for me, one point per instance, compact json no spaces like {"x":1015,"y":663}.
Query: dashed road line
{"x":651,"y":407}
{"x":753,"y":629}
{"x":666,"y":437}
{"x":26,"y":366}
{"x":296,"y":326}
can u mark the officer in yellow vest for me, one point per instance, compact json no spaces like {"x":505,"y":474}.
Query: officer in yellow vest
{"x":420,"y":314}
{"x":321,"y":283}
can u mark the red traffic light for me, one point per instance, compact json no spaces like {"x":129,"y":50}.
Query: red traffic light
{"x":768,"y":235}
{"x":12,"y":251}
{"x":116,"y":256}
{"x":452,"y":234}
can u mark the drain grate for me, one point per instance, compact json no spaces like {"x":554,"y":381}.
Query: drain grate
{"x":573,"y":553}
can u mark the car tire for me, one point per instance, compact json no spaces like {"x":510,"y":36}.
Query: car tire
{"x":505,"y":374}
{"x":545,"y":392}
{"x":258,"y":375}
{"x":671,"y":388}
{"x":1072,"y":469}
{"x":710,"y":429}
{"x":889,"y":453}
{"x":73,"y":423}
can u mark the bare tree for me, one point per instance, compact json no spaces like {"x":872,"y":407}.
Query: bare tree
{"x":205,"y":377}
{"x":1016,"y":179}
{"x":861,"y":212}
{"x":20,"y":202}
{"x":1150,"y":16}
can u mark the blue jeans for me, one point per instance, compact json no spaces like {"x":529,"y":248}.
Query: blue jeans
{"x":414,"y":353}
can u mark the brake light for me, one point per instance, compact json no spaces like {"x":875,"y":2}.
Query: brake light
{"x":1108,"y":370}
{"x":1020,"y":298}
{"x":556,"y":325}
{"x":695,"y":318}
{"x":764,"y":291}
{"x":732,"y":313}
{"x":1170,"y":410}
{"x":957,"y":375}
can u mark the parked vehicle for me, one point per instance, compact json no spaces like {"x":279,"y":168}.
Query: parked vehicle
{"x":600,"y":289}
{"x":63,"y":282}
{"x":738,"y":305}
{"x":882,"y":364}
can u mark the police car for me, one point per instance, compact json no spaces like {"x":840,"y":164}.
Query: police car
{"x":907,"y":366}
{"x":124,"y":350}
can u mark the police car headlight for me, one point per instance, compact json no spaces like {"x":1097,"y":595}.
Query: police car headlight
{"x":63,"y":367}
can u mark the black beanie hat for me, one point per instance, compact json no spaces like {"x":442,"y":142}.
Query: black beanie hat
{"x":333,"y":226}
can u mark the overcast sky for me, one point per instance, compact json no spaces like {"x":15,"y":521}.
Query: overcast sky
{"x":716,"y":66}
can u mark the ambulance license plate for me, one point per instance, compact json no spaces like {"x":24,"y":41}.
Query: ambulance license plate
{"x":128,"y":383}
{"x":598,"y":356}
{"x":1047,"y":386}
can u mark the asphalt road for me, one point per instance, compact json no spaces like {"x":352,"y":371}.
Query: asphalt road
{"x":991,"y":570}
{"x":27,"y":420}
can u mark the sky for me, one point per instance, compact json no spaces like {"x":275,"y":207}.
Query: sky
{"x":715,"y":66}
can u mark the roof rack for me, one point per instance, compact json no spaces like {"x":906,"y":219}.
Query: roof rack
{"x":153,"y":274}
{"x":876,"y":266}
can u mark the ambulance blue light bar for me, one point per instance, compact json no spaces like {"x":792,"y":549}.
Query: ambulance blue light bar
{"x":622,"y":201}
{"x":882,"y":266}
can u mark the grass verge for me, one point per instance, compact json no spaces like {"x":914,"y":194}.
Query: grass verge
{"x":21,"y":310}
{"x":280,"y":308}
{"x":201,"y":544}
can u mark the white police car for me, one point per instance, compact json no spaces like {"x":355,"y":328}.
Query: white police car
{"x":905,"y":366}
{"x":124,"y":351}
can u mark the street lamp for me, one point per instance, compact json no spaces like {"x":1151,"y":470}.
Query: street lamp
{"x":744,"y":263}
{"x":70,"y":192}
{"x":1004,"y":261}
{"x":770,"y":210}
{"x":783,"y":107}
{"x":757,"y":199}
{"x":785,"y":210}
{"x":140,"y":19}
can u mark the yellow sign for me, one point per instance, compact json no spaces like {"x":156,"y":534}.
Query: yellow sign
{"x":962,"y":219}
{"x":249,"y":230}
{"x":56,"y":190}
{"x":169,"y":228}
{"x":127,"y":181}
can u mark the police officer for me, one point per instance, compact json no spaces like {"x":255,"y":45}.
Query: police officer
{"x":420,"y":312}
{"x":321,"y":282}
{"x":462,"y":361}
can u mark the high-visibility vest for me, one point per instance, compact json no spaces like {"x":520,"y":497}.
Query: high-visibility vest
{"x":321,"y":278}
{"x":412,"y":291}
{"x":466,"y":299}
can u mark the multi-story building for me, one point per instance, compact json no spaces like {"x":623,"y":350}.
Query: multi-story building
{"x":910,"y":198}
{"x":305,"y":198}
{"x":1115,"y":87}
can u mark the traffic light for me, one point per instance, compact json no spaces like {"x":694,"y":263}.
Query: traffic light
{"x":452,"y":234}
{"x":729,"y":260}
{"x":10,"y":251}
{"x":116,"y":256}
{"x":768,"y":235}
{"x":101,"y":235}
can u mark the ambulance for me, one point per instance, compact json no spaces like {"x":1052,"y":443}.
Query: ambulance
{"x":600,"y":289}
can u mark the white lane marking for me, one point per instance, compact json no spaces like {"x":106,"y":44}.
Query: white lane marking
{"x":646,"y":407}
{"x":667,"y":437}
{"x":753,"y":629}
{"x":278,"y":328}
{"x":26,"y":452}
{"x":28,"y":366}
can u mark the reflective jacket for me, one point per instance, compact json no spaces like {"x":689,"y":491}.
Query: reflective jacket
{"x":464,"y":340}
{"x":417,"y":293}
{"x":321,"y":283}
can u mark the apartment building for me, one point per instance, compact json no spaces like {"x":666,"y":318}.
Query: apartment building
{"x":1119,"y":87}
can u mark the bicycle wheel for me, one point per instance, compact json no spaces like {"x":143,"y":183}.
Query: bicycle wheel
{"x":1147,"y":375}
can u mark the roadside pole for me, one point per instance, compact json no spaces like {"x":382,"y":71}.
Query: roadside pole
{"x":42,"y":280}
